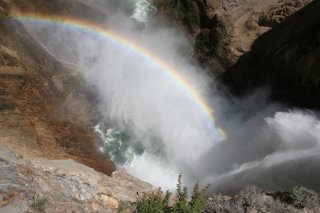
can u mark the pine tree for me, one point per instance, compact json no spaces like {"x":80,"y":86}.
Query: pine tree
{"x":182,"y":205}
{"x":198,"y":200}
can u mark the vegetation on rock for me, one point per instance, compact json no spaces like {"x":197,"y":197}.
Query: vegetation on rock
{"x":253,"y":199}
{"x":250,"y":199}
{"x":158,"y":202}
{"x":39,"y":204}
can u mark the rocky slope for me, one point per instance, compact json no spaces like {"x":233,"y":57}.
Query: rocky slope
{"x":286,"y":58}
{"x":259,"y":43}
{"x":42,"y":185}
{"x":252,"y":199}
{"x":224,"y":30}
{"x":48,"y":151}
{"x":34,"y":89}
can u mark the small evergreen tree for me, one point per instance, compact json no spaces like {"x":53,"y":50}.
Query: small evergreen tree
{"x":182,"y":205}
{"x":166,"y":199}
{"x":157,"y":202}
{"x":198,"y":200}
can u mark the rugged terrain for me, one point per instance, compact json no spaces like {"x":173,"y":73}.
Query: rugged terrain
{"x":286,"y":58}
{"x":257,"y":43}
{"x":47,"y":113}
{"x":38,"y":101}
{"x":48,"y":151}
{"x":40,"y":185}
{"x":223,"y":30}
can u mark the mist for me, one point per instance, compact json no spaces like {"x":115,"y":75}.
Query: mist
{"x":153,"y":122}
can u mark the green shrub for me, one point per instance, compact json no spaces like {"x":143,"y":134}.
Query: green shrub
{"x":39,"y":204}
{"x":198,"y":200}
{"x":182,"y":198}
{"x":157,"y":202}
{"x":154,"y":202}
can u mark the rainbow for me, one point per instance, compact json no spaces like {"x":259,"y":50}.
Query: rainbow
{"x":75,"y":24}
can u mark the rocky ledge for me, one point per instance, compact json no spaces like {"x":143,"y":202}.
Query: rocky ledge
{"x":62,"y":186}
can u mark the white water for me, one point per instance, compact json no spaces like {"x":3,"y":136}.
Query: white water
{"x":260,"y":140}
{"x":145,"y":166}
{"x":143,"y":10}
{"x":154,"y":170}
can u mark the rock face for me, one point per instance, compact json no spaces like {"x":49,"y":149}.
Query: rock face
{"x":49,"y":156}
{"x":259,"y":43}
{"x":45,"y":108}
{"x":252,"y":199}
{"x":286,"y":58}
{"x":224,"y":30}
{"x":62,"y":186}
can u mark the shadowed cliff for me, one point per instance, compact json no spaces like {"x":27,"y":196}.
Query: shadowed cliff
{"x":286,"y":58}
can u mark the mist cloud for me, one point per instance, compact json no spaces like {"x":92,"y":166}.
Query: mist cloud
{"x":283,"y":153}
{"x":267,"y":144}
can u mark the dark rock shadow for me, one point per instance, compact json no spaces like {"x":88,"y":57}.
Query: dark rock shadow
{"x":286,"y":58}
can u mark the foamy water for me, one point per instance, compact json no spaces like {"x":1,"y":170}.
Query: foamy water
{"x":143,"y":10}
{"x":137,"y":161}
{"x":169,"y":137}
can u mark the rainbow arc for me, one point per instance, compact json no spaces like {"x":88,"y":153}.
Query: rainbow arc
{"x":74,"y":24}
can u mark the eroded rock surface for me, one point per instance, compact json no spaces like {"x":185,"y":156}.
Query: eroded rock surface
{"x":49,"y":156}
{"x":285,"y":58}
{"x":62,"y":186}
{"x":224,"y":30}
{"x":46,"y":110}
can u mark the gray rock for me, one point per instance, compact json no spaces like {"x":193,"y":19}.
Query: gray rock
{"x":62,"y":186}
{"x":8,"y":155}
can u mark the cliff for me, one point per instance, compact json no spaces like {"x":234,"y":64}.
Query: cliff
{"x":48,"y":151}
{"x":286,"y":59}
{"x":224,"y":30}
{"x":40,"y":185}
{"x":273,"y":44}
{"x":34,"y":117}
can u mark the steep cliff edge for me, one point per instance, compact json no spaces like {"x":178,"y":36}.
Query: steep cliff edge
{"x":42,"y":185}
{"x":259,"y":43}
{"x":286,"y":58}
{"x":35,"y":118}
{"x":224,"y":30}
{"x":49,"y":154}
